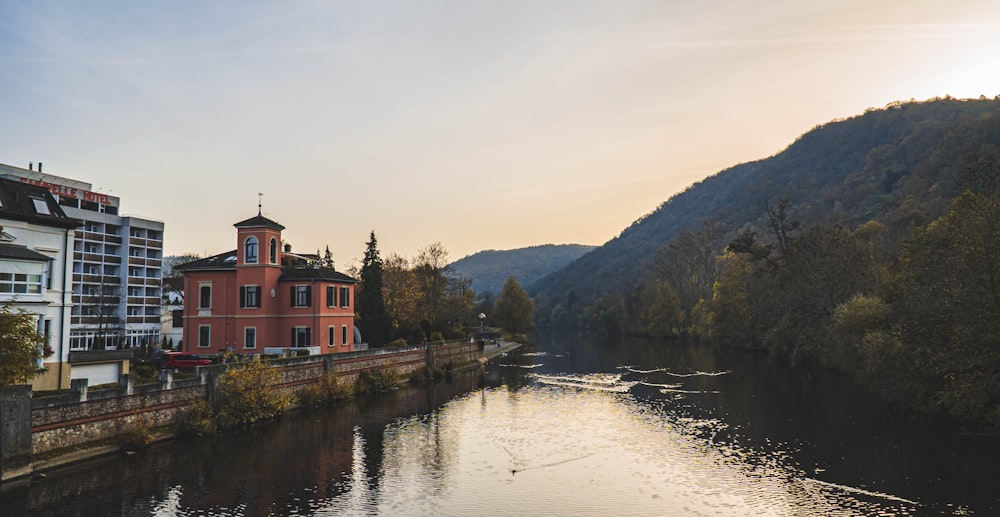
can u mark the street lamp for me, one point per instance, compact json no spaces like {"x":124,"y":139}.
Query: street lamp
{"x":482,"y":319}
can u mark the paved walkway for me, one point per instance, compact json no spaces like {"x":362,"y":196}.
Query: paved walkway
{"x":501,"y":347}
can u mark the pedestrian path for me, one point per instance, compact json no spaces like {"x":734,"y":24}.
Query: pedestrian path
{"x":501,"y":347}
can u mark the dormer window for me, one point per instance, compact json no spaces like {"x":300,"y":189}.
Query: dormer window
{"x":41,"y":207}
{"x":250,"y":251}
{"x":274,"y":251}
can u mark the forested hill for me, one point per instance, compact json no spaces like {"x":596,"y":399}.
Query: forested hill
{"x":489,"y":269}
{"x":899,"y":165}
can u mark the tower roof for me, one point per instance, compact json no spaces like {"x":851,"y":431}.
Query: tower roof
{"x":259,"y":221}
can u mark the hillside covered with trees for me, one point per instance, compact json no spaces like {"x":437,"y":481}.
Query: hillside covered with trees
{"x":488,"y":270}
{"x":870,"y":245}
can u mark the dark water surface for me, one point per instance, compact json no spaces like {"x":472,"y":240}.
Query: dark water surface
{"x":573,"y":426}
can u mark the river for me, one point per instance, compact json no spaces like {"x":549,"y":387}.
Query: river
{"x":572,"y":426}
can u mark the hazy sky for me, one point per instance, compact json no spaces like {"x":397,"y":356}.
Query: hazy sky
{"x":480,"y":124}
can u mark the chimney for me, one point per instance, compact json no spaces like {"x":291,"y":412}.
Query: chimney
{"x":288,"y":248}
{"x":31,"y":166}
{"x":39,"y":166}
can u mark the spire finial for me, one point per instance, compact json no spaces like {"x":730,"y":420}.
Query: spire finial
{"x":260,"y":196}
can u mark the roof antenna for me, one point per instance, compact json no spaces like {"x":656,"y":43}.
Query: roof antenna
{"x":259,"y":196}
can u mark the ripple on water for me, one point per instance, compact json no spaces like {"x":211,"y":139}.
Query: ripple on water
{"x":594,"y":381}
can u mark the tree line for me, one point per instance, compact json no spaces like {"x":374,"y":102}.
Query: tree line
{"x":410,"y":301}
{"x":913,"y":318}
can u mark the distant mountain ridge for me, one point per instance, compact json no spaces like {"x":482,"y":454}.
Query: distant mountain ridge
{"x":489,"y":269}
{"x":899,"y":165}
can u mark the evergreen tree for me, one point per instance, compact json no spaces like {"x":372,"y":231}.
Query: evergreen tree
{"x":376,"y":327}
{"x":514,"y":309}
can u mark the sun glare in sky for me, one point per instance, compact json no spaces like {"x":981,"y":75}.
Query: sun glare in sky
{"x":480,"y":125}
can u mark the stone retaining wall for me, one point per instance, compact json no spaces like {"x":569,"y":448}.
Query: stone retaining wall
{"x":85,"y":416}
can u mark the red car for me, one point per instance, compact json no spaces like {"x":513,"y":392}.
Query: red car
{"x":183,"y":361}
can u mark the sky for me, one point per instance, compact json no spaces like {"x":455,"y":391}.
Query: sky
{"x":493,"y":124}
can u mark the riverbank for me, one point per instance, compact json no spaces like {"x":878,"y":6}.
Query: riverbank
{"x":380,"y":358}
{"x":491,"y":351}
{"x":662,"y":428}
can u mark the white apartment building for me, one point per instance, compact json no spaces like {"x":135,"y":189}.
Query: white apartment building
{"x":116,"y":271}
{"x":36,"y":237}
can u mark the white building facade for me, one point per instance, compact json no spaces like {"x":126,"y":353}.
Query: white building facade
{"x":116,"y":266}
{"x":36,"y":239}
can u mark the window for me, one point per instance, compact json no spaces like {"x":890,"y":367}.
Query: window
{"x":41,"y":206}
{"x":250,"y":251}
{"x":205,"y":297}
{"x":331,"y":296}
{"x":135,"y":271}
{"x":249,"y":337}
{"x":20,"y":283}
{"x":93,"y":227}
{"x":301,"y":296}
{"x":204,"y":336}
{"x":333,"y":336}
{"x":345,"y":297}
{"x":91,"y":269}
{"x":273,"y":251}
{"x":47,"y":331}
{"x":343,"y":332}
{"x":135,"y":232}
{"x":300,"y":336}
{"x":250,"y":297}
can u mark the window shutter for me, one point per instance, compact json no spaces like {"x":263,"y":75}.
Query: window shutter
{"x":293,"y":336}
{"x":243,"y":297}
{"x":308,"y":336}
{"x":293,"y":296}
{"x":309,"y":296}
{"x":258,"y":297}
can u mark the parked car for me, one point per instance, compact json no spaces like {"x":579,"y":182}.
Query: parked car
{"x":183,"y":361}
{"x":154,"y":358}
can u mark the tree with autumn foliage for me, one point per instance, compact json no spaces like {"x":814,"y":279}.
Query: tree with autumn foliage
{"x":20,"y":345}
{"x":514,"y":309}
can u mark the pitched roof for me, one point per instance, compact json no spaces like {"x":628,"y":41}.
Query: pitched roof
{"x":15,"y":252}
{"x":225,"y":260}
{"x":259,"y":221}
{"x":314,"y":273}
{"x":33,"y":204}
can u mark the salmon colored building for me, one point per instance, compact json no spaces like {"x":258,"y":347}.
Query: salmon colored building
{"x":262,"y":295}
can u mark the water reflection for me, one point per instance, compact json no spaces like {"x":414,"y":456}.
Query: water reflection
{"x":574,"y":426}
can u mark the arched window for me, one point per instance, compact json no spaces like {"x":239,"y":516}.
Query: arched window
{"x":250,"y":251}
{"x":274,"y":251}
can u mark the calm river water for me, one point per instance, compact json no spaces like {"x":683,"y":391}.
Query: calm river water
{"x":573,"y":426}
